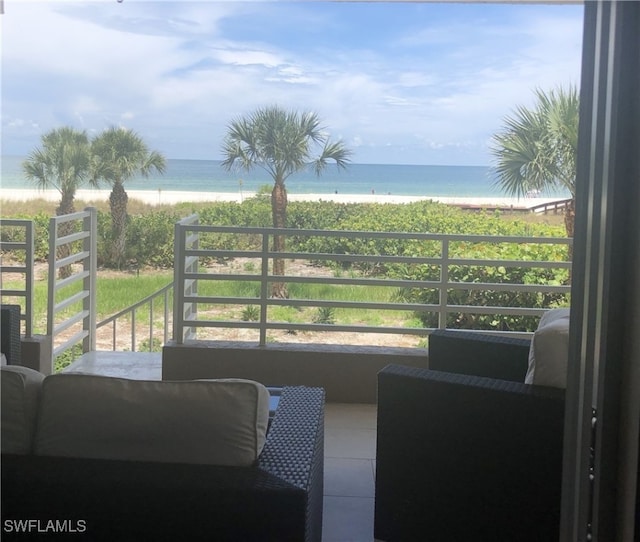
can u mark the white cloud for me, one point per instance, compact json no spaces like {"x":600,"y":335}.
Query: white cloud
{"x":181,"y":71}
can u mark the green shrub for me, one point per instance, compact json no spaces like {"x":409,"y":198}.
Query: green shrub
{"x":250,"y":313}
{"x":325,"y":315}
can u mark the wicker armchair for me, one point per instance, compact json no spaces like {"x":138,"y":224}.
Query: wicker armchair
{"x":278,"y":499}
{"x":10,"y":333}
{"x":465,"y":450}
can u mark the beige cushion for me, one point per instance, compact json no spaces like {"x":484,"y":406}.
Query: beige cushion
{"x":549,"y":352}
{"x":220,"y":422}
{"x":20,"y":393}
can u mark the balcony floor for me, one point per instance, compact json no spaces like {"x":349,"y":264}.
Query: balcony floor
{"x":350,"y":447}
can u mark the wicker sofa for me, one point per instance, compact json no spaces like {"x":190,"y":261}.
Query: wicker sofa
{"x":465,"y":450}
{"x":277,"y":497}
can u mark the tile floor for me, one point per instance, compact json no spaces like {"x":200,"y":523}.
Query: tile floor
{"x":349,"y":467}
{"x":350,"y":449}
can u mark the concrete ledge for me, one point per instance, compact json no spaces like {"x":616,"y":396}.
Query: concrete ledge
{"x":347,"y":373}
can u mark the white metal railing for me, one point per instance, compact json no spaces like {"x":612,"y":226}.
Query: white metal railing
{"x":188,"y":254}
{"x":129,"y":314}
{"x":71,"y":315}
{"x":20,"y":247}
{"x":185,"y":275}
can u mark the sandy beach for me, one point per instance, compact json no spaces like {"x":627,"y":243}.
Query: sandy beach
{"x":170,"y":197}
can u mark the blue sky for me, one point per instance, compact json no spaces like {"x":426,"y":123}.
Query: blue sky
{"x":404,"y":83}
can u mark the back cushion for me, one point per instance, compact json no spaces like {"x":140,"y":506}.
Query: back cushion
{"x":549,"y":352}
{"x":220,"y":422}
{"x":20,"y":392}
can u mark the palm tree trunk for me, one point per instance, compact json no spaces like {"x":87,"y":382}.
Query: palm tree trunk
{"x":66,"y":207}
{"x":279,"y":213}
{"x":118,"y":203}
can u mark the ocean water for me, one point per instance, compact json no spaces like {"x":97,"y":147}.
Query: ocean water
{"x":209,"y":176}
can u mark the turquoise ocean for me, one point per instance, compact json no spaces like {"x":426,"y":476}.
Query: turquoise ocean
{"x":209,"y":176}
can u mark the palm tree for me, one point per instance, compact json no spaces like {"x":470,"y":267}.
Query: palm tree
{"x":282,"y":143}
{"x":118,"y":155}
{"x":61,"y":163}
{"x":537,"y":148}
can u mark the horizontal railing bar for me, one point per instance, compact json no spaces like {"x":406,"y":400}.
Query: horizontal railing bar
{"x":310,"y":303}
{"x":506,"y":287}
{"x":73,"y":258}
{"x":71,"y":341}
{"x":13,"y":293}
{"x":71,"y":238}
{"x":222,"y":300}
{"x":222,"y":276}
{"x":135,"y":305}
{"x":13,"y":269}
{"x":66,"y":324}
{"x":351,"y":304}
{"x":316,"y":256}
{"x":391,"y":283}
{"x":19,"y":222}
{"x":78,"y":215}
{"x":473,"y":309}
{"x":75,"y":298}
{"x":376,"y":258}
{"x":13,"y":245}
{"x":378,"y":235}
{"x":222,"y":323}
{"x":70,"y":280}
{"x":215,"y":253}
{"x":509,"y":263}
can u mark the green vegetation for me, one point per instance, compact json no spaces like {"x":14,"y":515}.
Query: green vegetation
{"x":150,"y":259}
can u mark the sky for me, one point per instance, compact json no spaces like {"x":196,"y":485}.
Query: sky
{"x":398,"y":83}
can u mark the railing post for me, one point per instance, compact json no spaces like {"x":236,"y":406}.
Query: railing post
{"x":151,"y":325}
{"x":444,"y":283}
{"x":29,"y":263}
{"x":178,"y":282}
{"x":133,"y":330}
{"x":180,"y":269}
{"x":51,"y":279}
{"x":90,"y":265}
{"x":264,"y":288}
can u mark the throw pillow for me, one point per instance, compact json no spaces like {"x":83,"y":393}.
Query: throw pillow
{"x":549,"y":352}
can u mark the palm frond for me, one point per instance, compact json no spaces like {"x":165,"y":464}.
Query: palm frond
{"x":536,"y":149}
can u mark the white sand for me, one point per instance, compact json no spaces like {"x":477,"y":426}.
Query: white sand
{"x":168,"y":197}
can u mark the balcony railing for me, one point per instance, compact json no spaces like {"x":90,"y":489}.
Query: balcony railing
{"x":197,"y":285}
{"x":17,"y":238}
{"x":129,"y":317}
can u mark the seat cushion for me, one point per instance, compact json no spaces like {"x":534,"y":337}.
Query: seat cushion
{"x":220,"y":422}
{"x":549,"y":352}
{"x":20,"y":392}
